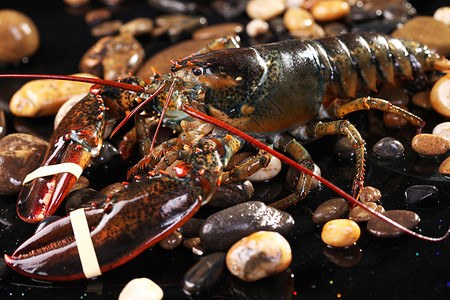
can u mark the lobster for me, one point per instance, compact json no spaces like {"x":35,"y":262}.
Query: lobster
{"x":263,"y":90}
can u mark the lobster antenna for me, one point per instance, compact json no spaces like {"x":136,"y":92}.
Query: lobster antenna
{"x":163,"y":113}
{"x":199,"y":115}
{"x":121,"y":85}
{"x":138,"y":108}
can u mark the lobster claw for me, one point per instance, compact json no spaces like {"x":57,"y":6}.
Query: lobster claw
{"x":120,"y":228}
{"x":77,"y":138}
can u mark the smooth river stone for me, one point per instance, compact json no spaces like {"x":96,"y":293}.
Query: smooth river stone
{"x":226,"y":227}
{"x":440,"y":96}
{"x":430,"y":144}
{"x":380,"y":228}
{"x":231,"y":194}
{"x":205,"y":273}
{"x":140,"y":289}
{"x":332,"y":209}
{"x":388,"y":148}
{"x":417,"y":193}
{"x":444,"y":168}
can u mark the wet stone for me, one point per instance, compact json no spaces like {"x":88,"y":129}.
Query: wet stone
{"x":340,"y":233}
{"x":224,"y":228}
{"x":443,"y":14}
{"x":229,"y":8}
{"x":360,"y":215}
{"x":388,"y":148}
{"x":314,"y":31}
{"x":81,"y":183}
{"x":174,"y":6}
{"x":205,"y":273}
{"x":335,"y":28}
{"x":422,"y":99}
{"x":440,"y":95}
{"x":218,"y":30}
{"x":97,"y":16}
{"x":444,"y":168}
{"x":370,"y":194}
{"x":343,"y":257}
{"x":141,"y":288}
{"x":192,"y":227}
{"x":172,"y":241}
{"x":83,"y":198}
{"x":106,"y":28}
{"x":332,"y":209}
{"x":267,"y":173}
{"x":138,"y":26}
{"x":344,"y":148}
{"x":231,"y":194}
{"x":277,"y":25}
{"x":20,"y":154}
{"x":380,"y":228}
{"x":265,"y":9}
{"x":395,"y":95}
{"x":195,"y":245}
{"x":107,"y":152}
{"x":256,"y":27}
{"x":392,"y":120}
{"x":326,"y":11}
{"x":259,"y":255}
{"x":418,"y":193}
{"x":400,"y":12}
{"x":442,"y":129}
{"x":296,"y":18}
{"x":45,"y":222}
{"x":430,"y":144}
{"x":2,"y":124}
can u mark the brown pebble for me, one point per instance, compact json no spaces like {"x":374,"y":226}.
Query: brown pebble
{"x":440,"y":96}
{"x":340,"y":233}
{"x":195,"y":245}
{"x":369,"y":194}
{"x":331,"y":10}
{"x":430,"y":144}
{"x":81,"y":183}
{"x":138,"y":26}
{"x":444,"y":168}
{"x":218,"y":30}
{"x":395,"y":95}
{"x":97,"y":16}
{"x":259,"y":255}
{"x":392,"y":120}
{"x":428,"y":31}
{"x":171,"y":241}
{"x":106,"y":28}
{"x":19,"y":36}
{"x":76,"y":3}
{"x":360,"y":215}
{"x":380,"y":228}
{"x":422,"y":99}
{"x":296,"y":19}
{"x":314,"y":31}
{"x":332,"y":209}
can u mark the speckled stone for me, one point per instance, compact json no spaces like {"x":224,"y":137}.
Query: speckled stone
{"x":380,"y":228}
{"x":340,"y":233}
{"x":360,"y":215}
{"x":440,"y":95}
{"x":226,"y":227}
{"x":370,"y":194}
{"x":444,"y":168}
{"x":205,"y":273}
{"x":430,"y":144}
{"x":332,"y":209}
{"x":388,"y":148}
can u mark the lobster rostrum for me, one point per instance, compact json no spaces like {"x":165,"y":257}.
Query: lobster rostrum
{"x":262,"y":90}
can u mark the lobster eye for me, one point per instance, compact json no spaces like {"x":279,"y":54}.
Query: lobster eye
{"x":197,"y":71}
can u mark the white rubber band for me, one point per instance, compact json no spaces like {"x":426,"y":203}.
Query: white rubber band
{"x":86,"y":250}
{"x":43,"y":171}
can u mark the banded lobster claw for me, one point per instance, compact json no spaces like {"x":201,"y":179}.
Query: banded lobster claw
{"x":77,"y":138}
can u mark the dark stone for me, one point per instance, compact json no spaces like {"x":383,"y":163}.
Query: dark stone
{"x":107,"y":152}
{"x":224,"y":228}
{"x":329,"y":210}
{"x":191,"y":228}
{"x":204,"y":274}
{"x":344,"y":257}
{"x":380,"y":228}
{"x":344,"y":148}
{"x":232,"y":194}
{"x":389,"y":148}
{"x":417,"y":193}
{"x":380,"y":26}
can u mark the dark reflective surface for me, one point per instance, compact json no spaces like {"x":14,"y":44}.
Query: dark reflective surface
{"x":401,"y":268}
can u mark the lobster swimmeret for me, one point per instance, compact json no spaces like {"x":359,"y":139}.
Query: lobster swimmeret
{"x":262,"y":90}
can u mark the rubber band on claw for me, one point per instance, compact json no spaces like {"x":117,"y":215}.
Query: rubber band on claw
{"x":43,"y":171}
{"x":86,"y":251}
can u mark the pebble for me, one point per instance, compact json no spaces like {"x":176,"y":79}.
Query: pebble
{"x":67,"y":106}
{"x":440,"y":95}
{"x":329,"y":210}
{"x":171,"y":241}
{"x":138,"y":26}
{"x":106,"y":28}
{"x":444,"y":168}
{"x":267,"y":173}
{"x":44,"y":97}
{"x":360,"y":215}
{"x":417,"y":193}
{"x":335,"y":28}
{"x":296,"y":18}
{"x":107,"y":152}
{"x":81,"y":183}
{"x":217,"y":31}
{"x":392,"y":120}
{"x":340,"y":233}
{"x":395,"y":95}
{"x":388,"y":148}
{"x":97,"y":16}
{"x":443,"y":14}
{"x":231,"y":194}
{"x":20,"y":154}
{"x":19,"y":36}
{"x":369,"y":194}
{"x":343,"y":257}
{"x":113,"y":57}
{"x":112,"y":189}
{"x":259,"y":255}
{"x":426,"y":30}
{"x":430,"y":144}
{"x":265,"y":9}
{"x":256,"y":27}
{"x":229,"y":8}
{"x":380,"y":228}
{"x":326,"y":11}
{"x":442,"y":129}
{"x":76,"y":3}
{"x":422,"y":99}
{"x":314,"y":31}
{"x":2,"y":123}
{"x":141,"y":289}
{"x":205,"y":273}
{"x":195,"y":245}
{"x":344,"y":148}
{"x":224,"y":228}
{"x":399,"y":12}
{"x":161,"y":60}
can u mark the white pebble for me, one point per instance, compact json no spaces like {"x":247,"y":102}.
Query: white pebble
{"x":141,"y":289}
{"x":265,"y":9}
{"x":256,"y":27}
{"x":263,"y":174}
{"x":443,"y":129}
{"x":443,"y":14}
{"x":294,"y":3}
